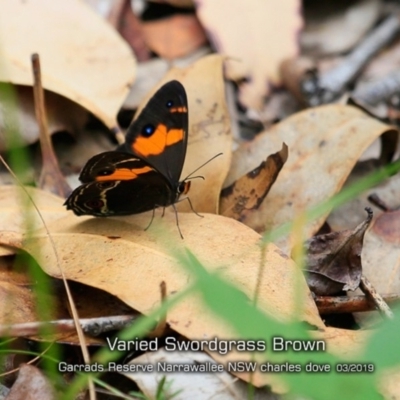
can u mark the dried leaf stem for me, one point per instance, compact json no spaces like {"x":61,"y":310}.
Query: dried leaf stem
{"x":345,"y":304}
{"x":91,"y":326}
{"x":51,"y":177}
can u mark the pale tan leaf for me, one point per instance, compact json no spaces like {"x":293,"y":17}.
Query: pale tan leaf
{"x":31,"y":384}
{"x":381,"y":253}
{"x":82,"y":57}
{"x":118,"y":256}
{"x":324,"y":145}
{"x":175,"y":36}
{"x":344,"y":343}
{"x":247,"y":32}
{"x":183,"y":385}
{"x":62,"y":115}
{"x":16,"y":211}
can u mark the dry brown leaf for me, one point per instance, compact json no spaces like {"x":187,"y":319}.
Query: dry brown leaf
{"x":209,"y":130}
{"x":18,"y":304}
{"x":175,"y":36}
{"x":132,"y":266}
{"x":62,"y":115}
{"x":74,"y":64}
{"x":324,"y":144}
{"x":233,"y":24}
{"x":18,"y":297}
{"x":333,"y":260}
{"x":344,"y":343}
{"x":31,"y":384}
{"x":16,"y":211}
{"x":245,"y":195}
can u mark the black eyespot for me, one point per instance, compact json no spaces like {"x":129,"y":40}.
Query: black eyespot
{"x":148,"y":130}
{"x":170,"y":103}
{"x":96,"y":204}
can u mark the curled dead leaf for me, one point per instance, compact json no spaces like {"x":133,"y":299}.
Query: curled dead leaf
{"x":325,"y":144}
{"x":245,"y":195}
{"x":333,"y":260}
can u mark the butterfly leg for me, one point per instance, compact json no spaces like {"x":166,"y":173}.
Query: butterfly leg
{"x":151,"y":221}
{"x":177,"y":220}
{"x":191,"y":206}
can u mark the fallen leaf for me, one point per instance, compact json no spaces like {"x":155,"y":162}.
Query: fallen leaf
{"x":324,"y":143}
{"x":62,"y":115}
{"x":31,"y":384}
{"x":345,"y":343}
{"x":16,"y":212}
{"x":381,"y":253}
{"x":245,"y":195}
{"x":133,"y":266}
{"x":333,"y":260}
{"x":233,"y":24}
{"x":183,"y":385}
{"x":73,"y":63}
{"x":19,"y":300}
{"x":149,"y":74}
{"x":174,"y":36}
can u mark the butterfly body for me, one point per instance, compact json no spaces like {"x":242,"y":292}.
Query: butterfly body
{"x":144,"y":172}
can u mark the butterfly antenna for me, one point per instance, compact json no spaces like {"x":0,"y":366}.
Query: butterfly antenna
{"x":201,"y":166}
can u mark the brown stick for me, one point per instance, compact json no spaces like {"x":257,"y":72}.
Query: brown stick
{"x":51,"y":177}
{"x":375,"y":298}
{"x":345,"y":304}
{"x":91,"y":326}
{"x":162,"y":323}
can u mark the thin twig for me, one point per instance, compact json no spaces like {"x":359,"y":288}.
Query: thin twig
{"x":375,"y":298}
{"x":91,"y":326}
{"x":348,"y":304}
{"x":51,"y":177}
{"x":162,"y":323}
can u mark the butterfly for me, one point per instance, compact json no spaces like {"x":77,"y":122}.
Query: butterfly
{"x":143,"y":173}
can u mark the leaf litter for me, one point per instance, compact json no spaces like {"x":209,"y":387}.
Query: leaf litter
{"x":324,"y":145}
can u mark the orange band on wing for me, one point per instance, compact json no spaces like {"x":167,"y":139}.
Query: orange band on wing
{"x":124,"y":174}
{"x":156,"y":144}
{"x":178,"y":110}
